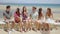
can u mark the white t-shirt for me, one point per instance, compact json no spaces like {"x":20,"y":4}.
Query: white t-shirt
{"x":34,"y":15}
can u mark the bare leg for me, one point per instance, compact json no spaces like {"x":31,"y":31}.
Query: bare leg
{"x":13,"y":25}
{"x":39,"y":26}
{"x":20,"y":26}
{"x":34,"y":26}
{"x":46,"y":26}
{"x":8,"y":26}
{"x":24,"y":26}
{"x":2,"y":26}
{"x":56,"y":27}
{"x":29,"y":26}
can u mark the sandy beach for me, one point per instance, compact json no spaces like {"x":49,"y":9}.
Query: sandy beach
{"x":32,"y":32}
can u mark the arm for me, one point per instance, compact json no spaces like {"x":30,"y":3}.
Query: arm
{"x":15,"y":15}
{"x":4,"y":16}
{"x":36,"y":16}
{"x":51,"y":16}
{"x":11,"y":16}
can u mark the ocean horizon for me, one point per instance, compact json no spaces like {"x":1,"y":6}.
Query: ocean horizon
{"x":29,"y":4}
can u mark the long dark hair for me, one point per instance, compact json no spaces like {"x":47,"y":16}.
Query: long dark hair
{"x":18,"y":12}
{"x":24,"y":10}
{"x":40,"y":13}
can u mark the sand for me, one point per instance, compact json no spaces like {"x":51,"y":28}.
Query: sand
{"x":32,"y":32}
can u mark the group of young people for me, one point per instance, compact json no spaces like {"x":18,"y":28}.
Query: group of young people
{"x":36,"y":20}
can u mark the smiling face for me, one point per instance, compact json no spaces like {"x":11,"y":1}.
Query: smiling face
{"x":49,"y":13}
{"x":49,"y":10}
{"x":24,"y":8}
{"x":18,"y":11}
{"x":8,"y":8}
{"x":34,"y":9}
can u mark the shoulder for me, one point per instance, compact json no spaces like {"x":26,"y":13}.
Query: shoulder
{"x":4,"y":12}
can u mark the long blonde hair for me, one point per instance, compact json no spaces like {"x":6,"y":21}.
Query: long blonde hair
{"x":49,"y":13}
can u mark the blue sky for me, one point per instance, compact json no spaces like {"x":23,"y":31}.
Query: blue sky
{"x":31,"y":1}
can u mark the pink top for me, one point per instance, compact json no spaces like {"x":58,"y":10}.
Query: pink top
{"x":16,"y":16}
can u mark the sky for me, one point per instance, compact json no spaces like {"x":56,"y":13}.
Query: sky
{"x":32,"y":1}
